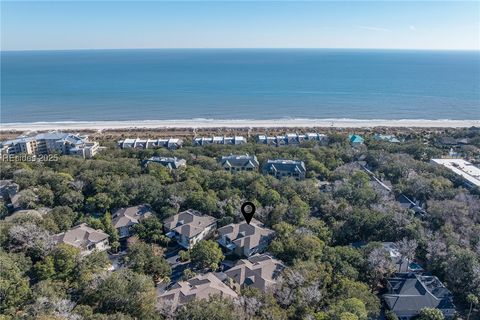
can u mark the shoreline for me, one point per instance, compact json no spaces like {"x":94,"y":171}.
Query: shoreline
{"x":244,"y":123}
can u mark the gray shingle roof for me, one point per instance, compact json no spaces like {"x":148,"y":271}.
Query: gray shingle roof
{"x":410,"y":292}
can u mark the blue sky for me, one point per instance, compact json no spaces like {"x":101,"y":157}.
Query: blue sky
{"x":42,"y":25}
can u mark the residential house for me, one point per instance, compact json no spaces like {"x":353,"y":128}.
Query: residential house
{"x":385,"y":137}
{"x":189,"y":227}
{"x":237,"y":163}
{"x":200,"y":287}
{"x":355,"y":140}
{"x":236,"y":140}
{"x":168,"y":162}
{"x":49,"y":143}
{"x":8,"y":189}
{"x":285,"y":168}
{"x":138,"y":143}
{"x":258,"y":271}
{"x":408,"y":293}
{"x":85,"y":238}
{"x":245,"y":239}
{"x":125,"y":218}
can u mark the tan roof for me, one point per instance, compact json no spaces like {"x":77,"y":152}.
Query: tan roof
{"x":188,"y":223}
{"x":245,"y":235}
{"x":81,"y":236}
{"x":259,"y":271}
{"x":199,"y":287}
{"x":124,"y":217}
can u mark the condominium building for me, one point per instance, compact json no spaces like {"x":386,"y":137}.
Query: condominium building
{"x":150,"y":143}
{"x":236,"y":140}
{"x":51,"y":142}
{"x":292,"y":139}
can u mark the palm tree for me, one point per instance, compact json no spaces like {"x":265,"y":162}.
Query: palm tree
{"x":472,"y":300}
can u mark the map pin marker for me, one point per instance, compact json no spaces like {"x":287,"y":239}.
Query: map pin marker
{"x":248,"y":210}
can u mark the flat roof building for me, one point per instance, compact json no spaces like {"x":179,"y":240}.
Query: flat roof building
{"x":51,"y":142}
{"x":469,"y":172}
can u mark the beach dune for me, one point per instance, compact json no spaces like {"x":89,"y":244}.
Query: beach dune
{"x":213,"y":123}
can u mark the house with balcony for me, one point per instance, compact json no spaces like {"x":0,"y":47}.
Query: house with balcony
{"x":189,"y":227}
{"x":245,"y":239}
{"x":239,"y":163}
{"x":285,"y":168}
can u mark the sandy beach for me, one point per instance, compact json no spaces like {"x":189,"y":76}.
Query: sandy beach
{"x":211,"y":123}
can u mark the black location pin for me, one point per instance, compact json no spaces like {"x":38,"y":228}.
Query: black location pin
{"x":248,"y":210}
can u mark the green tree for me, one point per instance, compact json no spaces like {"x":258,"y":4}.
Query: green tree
{"x":63,"y":216}
{"x":352,"y":306}
{"x":150,"y":231}
{"x":144,"y":258}
{"x":59,"y":264}
{"x":109,"y":228}
{"x":14,"y":284}
{"x":100,"y":202}
{"x":126,"y":292}
{"x":206,"y":254}
{"x":430,"y":314}
{"x":215,"y":308}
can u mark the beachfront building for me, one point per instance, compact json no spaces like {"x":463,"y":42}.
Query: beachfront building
{"x":245,"y":239}
{"x":171,"y":163}
{"x":50,"y":143}
{"x":260,"y":271}
{"x":292,"y":139}
{"x":138,"y":143}
{"x":125,"y":218}
{"x":385,"y":137}
{"x":467,"y":171}
{"x":236,"y":140}
{"x":85,"y":238}
{"x":200,"y":287}
{"x":238,"y":163}
{"x":285,"y":168}
{"x":355,"y":140}
{"x":408,"y":293}
{"x":189,"y":227}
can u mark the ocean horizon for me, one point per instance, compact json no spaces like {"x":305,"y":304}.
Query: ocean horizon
{"x":238,"y":85}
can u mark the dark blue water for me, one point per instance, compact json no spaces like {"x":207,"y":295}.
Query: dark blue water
{"x":238,"y":84}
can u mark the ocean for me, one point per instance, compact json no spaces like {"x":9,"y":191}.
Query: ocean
{"x":169,"y":84}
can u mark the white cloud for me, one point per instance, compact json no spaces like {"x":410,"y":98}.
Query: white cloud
{"x":371,"y":28}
